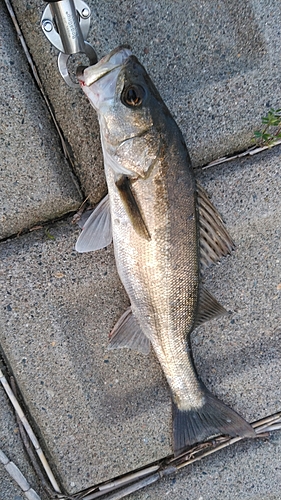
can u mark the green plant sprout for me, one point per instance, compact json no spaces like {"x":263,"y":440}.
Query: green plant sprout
{"x":48,"y":234}
{"x":272,"y":129}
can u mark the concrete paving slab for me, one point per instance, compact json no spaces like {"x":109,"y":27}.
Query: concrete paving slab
{"x":12,"y":446}
{"x":244,"y":191}
{"x":36,"y":182}
{"x":248,"y":470}
{"x":104,"y":413}
{"x":9,"y":490}
{"x":90,"y":405}
{"x":215,"y":64}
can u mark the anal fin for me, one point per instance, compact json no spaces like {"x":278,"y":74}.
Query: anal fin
{"x":127,"y":333}
{"x":208,"y":308}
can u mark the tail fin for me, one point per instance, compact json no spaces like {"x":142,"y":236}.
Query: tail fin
{"x":213,"y":418}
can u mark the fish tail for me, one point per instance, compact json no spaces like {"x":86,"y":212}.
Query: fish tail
{"x":213,"y":418}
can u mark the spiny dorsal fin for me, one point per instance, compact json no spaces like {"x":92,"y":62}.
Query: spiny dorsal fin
{"x":131,"y":206}
{"x":208,"y":308}
{"x":215,"y":242}
{"x":97,"y":231}
{"x":127,"y":333}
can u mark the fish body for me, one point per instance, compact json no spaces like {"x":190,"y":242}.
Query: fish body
{"x":164,"y":228}
{"x":161,"y":273}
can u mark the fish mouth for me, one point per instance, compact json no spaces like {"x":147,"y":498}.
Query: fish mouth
{"x":115,"y":59}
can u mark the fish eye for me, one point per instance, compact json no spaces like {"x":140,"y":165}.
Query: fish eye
{"x":132,"y":96}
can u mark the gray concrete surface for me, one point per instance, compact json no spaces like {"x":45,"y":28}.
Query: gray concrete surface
{"x":215,"y":64}
{"x":36,"y":183}
{"x":12,"y":446}
{"x":248,"y":471}
{"x":105,"y":413}
{"x":90,"y":405}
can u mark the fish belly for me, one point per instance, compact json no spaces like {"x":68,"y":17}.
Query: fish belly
{"x":161,"y":275}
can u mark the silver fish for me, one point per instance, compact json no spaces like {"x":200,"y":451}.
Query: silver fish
{"x":165,"y":229}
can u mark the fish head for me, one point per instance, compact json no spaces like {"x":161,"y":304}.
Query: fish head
{"x":129,"y":109}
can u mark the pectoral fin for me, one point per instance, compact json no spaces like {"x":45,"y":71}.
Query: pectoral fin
{"x":127,"y":333}
{"x":215,"y":242}
{"x":131,"y":206}
{"x":208,"y":308}
{"x":97,"y":231}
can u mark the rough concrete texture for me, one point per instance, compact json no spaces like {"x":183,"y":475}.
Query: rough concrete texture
{"x":36,"y":182}
{"x":12,"y":446}
{"x":104,"y":413}
{"x":247,"y":194}
{"x":90,"y":405}
{"x":216,"y":65}
{"x":248,"y":471}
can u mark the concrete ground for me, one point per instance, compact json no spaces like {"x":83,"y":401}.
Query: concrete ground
{"x":12,"y":446}
{"x":36,"y":182}
{"x":100,"y":414}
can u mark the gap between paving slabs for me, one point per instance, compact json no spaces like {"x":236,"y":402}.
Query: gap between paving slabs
{"x":123,"y":486}
{"x":159,"y":476}
{"x":220,"y":162}
{"x":155,"y":476}
{"x":16,"y":473}
{"x":152,"y":478}
{"x":236,"y":68}
{"x":37,"y":183}
{"x":119,"y":487}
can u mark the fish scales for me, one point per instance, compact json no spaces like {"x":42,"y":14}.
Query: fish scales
{"x":165,"y":305}
{"x":162,"y":224}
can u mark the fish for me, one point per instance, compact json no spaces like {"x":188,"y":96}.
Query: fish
{"x":165,"y":231}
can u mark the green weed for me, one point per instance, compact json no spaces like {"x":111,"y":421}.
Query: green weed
{"x":49,"y":235}
{"x":271,"y":131}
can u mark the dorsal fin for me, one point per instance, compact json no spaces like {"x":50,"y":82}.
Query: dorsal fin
{"x":215,"y":242}
{"x":128,"y":333}
{"x":208,"y":308}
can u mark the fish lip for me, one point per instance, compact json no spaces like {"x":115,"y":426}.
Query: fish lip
{"x":79,"y":72}
{"x":91,"y":74}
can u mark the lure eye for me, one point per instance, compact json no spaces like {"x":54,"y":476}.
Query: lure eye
{"x":132,"y":96}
